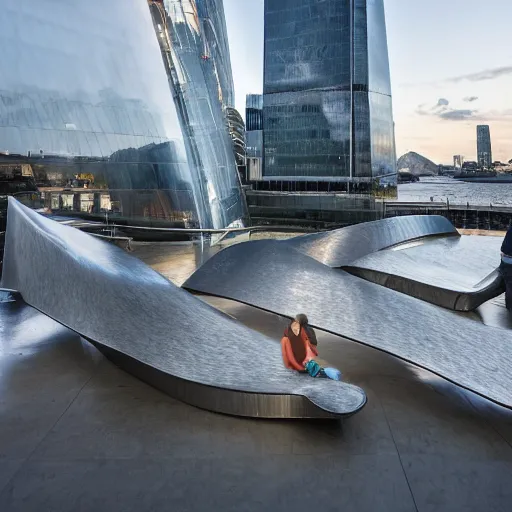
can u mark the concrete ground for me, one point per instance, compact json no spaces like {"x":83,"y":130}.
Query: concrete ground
{"x":78,"y":434}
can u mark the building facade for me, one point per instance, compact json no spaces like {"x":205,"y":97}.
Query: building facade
{"x":86,"y":117}
{"x":327,"y":108}
{"x":88,"y":122}
{"x":194,"y":45}
{"x":458,"y":160}
{"x":484,"y":148}
{"x":254,"y":136}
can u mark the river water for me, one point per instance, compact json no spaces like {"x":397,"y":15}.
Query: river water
{"x":457,"y":192}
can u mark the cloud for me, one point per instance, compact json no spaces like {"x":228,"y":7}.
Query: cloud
{"x":443,"y":111}
{"x":488,"y":74}
{"x":470,"y":99}
{"x":440,"y":107}
{"x":457,"y":115}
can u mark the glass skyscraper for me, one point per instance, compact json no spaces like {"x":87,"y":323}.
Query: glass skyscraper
{"x":484,"y":148}
{"x":327,"y":110}
{"x":88,"y":122}
{"x":86,"y":117}
{"x":254,"y":136}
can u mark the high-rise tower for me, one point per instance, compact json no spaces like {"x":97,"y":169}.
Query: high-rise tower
{"x":327,"y":110}
{"x":484,"y":148}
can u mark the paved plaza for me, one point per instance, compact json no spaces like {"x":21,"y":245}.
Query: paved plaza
{"x":77,"y":433}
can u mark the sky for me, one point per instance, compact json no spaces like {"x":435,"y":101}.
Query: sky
{"x":451,"y":69}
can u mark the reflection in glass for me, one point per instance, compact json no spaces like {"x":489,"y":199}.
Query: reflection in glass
{"x":193,"y":40}
{"x":87,"y":119}
{"x":86,"y":114}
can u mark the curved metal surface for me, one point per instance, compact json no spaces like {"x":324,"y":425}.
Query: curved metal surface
{"x":456,"y":273}
{"x":151,"y":327}
{"x":343,"y":246}
{"x":272,"y":276}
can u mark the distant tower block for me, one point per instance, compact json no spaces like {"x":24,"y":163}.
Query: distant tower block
{"x":458,"y":160}
{"x":484,"y":148}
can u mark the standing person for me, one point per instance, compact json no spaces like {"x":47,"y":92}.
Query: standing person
{"x":506,"y":267}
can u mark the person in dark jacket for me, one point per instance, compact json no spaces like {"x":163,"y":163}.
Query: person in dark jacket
{"x":506,"y":267}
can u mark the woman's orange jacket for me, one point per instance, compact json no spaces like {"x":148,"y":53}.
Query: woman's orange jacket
{"x":290,"y":357}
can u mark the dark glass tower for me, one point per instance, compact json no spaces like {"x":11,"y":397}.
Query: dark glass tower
{"x":327,"y":110}
{"x":254,"y":136}
{"x":484,"y":148}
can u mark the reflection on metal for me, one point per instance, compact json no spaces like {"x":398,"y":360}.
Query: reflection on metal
{"x":275,"y":277}
{"x":157,"y":331}
{"x":488,"y":288}
{"x":457,"y":273}
{"x":9,"y":295}
{"x":343,"y":246}
{"x":102,"y":124}
{"x":193,"y":40}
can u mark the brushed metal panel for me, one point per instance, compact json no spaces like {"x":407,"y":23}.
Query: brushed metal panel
{"x":155,"y":329}
{"x":343,"y":246}
{"x":274,"y":277}
{"x":458,"y":273}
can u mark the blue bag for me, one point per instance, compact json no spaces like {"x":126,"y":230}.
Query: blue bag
{"x":313,"y":368}
{"x":332,"y":373}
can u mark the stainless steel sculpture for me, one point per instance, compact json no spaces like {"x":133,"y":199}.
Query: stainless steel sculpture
{"x":457,"y":273}
{"x":273,"y":276}
{"x":157,"y":331}
{"x":193,"y":40}
{"x":342,"y":247}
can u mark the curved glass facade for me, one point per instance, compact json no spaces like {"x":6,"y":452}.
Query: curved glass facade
{"x":86,"y":115}
{"x":327,"y":111}
{"x":193,"y":40}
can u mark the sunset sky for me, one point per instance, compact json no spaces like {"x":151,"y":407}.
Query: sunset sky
{"x":451,"y":69}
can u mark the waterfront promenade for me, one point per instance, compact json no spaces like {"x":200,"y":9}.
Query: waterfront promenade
{"x":465,"y":216}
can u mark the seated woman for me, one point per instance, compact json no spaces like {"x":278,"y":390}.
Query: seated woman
{"x":297,"y":347}
{"x":299,"y":350}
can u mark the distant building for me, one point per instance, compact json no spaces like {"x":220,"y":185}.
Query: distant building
{"x":458,"y":160}
{"x":254,"y":136}
{"x":470,"y":166}
{"x":484,"y":148}
{"x":327,"y":110}
{"x":254,"y":112}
